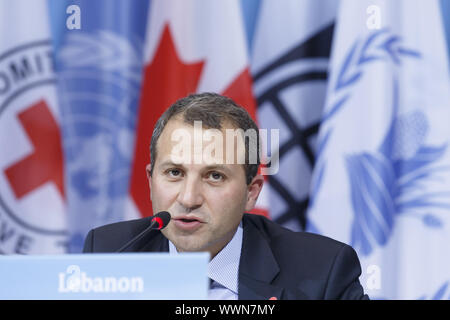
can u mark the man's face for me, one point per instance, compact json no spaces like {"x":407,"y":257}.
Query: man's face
{"x":206,"y":200}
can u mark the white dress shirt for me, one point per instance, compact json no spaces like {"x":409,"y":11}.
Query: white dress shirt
{"x":223,"y":269}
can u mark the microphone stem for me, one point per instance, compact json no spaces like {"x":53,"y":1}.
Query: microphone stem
{"x":136,"y":238}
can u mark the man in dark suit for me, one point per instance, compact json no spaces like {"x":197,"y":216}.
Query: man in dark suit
{"x":207,"y":179}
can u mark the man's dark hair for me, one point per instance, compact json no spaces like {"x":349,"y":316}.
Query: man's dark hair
{"x":212,"y":110}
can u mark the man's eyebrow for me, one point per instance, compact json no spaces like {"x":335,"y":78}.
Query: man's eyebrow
{"x":169,"y":163}
{"x":217,"y":167}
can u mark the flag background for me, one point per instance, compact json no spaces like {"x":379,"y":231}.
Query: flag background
{"x":381,"y":176}
{"x":32,"y":189}
{"x":289,"y":75}
{"x":99,"y":70}
{"x":100,"y":161}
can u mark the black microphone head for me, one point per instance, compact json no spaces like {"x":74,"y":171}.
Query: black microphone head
{"x":162,"y":219}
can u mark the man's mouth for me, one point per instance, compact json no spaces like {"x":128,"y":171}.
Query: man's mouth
{"x":187,"y":223}
{"x":188,"y":220}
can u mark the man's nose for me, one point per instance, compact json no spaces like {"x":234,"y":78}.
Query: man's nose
{"x":190,"y":196}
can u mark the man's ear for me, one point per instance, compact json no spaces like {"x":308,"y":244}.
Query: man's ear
{"x":253,"y":190}
{"x":147,"y":170}
{"x":149,"y":177}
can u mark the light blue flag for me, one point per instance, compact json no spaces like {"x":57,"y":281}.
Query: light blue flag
{"x":99,"y":67}
{"x":382,"y":177}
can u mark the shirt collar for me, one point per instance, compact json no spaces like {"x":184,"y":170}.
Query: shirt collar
{"x":224,"y":267}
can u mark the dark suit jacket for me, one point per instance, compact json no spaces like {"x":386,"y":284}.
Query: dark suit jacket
{"x":275,"y":262}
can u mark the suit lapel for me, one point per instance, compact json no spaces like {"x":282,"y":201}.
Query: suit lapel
{"x":251,"y":289}
{"x":157,"y":243}
{"x":258,"y":267}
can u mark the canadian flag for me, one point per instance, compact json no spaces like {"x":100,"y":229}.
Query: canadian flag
{"x":191,"y":46}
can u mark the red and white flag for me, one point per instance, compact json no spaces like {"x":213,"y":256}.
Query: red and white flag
{"x":32,"y":197}
{"x":192,"y":46}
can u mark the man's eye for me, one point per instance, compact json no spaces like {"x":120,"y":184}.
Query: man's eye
{"x":216,"y":176}
{"x":174,"y":172}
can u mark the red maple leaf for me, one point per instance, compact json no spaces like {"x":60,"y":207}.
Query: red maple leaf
{"x":167,"y":78}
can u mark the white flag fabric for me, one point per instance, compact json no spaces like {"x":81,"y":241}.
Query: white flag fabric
{"x":289,"y":62}
{"x":32,"y":196}
{"x":382,"y":177}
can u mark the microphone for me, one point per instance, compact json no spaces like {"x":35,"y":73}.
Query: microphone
{"x":158,"y":221}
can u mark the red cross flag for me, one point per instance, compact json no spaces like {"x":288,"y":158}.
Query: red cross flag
{"x":32,"y":198}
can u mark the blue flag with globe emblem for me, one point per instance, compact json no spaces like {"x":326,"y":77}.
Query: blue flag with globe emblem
{"x":382,"y":177}
{"x":99,"y":69}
